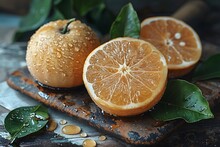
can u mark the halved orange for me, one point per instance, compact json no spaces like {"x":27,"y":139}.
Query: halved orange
{"x":125,"y":76}
{"x":176,"y":40}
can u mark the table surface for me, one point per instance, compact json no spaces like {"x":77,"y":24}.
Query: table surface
{"x":12,"y":56}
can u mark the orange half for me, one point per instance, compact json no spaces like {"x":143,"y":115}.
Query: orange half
{"x":176,"y":40}
{"x":125,"y":76}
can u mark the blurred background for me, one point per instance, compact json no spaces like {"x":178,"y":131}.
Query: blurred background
{"x":20,"y":19}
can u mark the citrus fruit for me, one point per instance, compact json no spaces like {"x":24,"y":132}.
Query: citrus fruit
{"x":176,"y":40}
{"x":125,"y":76}
{"x":57,"y":51}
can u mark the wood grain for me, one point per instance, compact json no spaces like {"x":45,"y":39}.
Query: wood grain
{"x":141,"y":129}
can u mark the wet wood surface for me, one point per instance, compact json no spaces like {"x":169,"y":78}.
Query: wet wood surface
{"x":141,"y":129}
{"x":138,"y":130}
{"x":203,"y":133}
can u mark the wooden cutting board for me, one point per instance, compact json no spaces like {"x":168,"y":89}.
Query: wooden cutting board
{"x":141,"y":129}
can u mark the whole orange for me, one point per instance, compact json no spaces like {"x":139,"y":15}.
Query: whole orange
{"x":57,"y":51}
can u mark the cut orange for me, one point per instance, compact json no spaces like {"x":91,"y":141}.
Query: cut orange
{"x":125,"y":76}
{"x":176,"y":40}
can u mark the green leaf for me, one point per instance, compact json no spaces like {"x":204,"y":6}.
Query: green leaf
{"x":39,"y":10}
{"x":82,"y":7}
{"x":96,"y":17}
{"x":23,"y":121}
{"x":182,"y":100}
{"x":37,"y":15}
{"x":126,"y":23}
{"x":56,"y":2}
{"x":65,"y":7}
{"x":56,"y":15}
{"x":209,"y":69}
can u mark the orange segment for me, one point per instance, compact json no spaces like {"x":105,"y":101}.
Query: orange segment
{"x":176,"y":40}
{"x":125,"y":76}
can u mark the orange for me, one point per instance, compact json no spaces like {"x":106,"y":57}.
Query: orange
{"x":125,"y":76}
{"x":176,"y":40}
{"x":56,"y":58}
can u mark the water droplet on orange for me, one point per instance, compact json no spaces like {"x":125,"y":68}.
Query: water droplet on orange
{"x":59,"y":55}
{"x":64,"y":75}
{"x":177,"y":36}
{"x":76,"y":49}
{"x":182,"y":43}
{"x":70,"y":45}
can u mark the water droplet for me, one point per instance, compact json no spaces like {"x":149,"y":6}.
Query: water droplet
{"x":103,"y":112}
{"x":40,"y":117}
{"x":89,"y":143}
{"x":59,"y":55}
{"x":76,"y":49}
{"x":182,"y":43}
{"x":177,"y":36}
{"x":71,"y":129}
{"x":26,"y":124}
{"x":169,"y":42}
{"x":39,"y":125}
{"x":202,"y":109}
{"x":64,"y":75}
{"x":32,"y":114}
{"x":102,"y":138}
{"x":43,"y":95}
{"x":63,"y":121}
{"x":51,"y":126}
{"x":33,"y":122}
{"x":83,"y":135}
{"x":70,"y":45}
